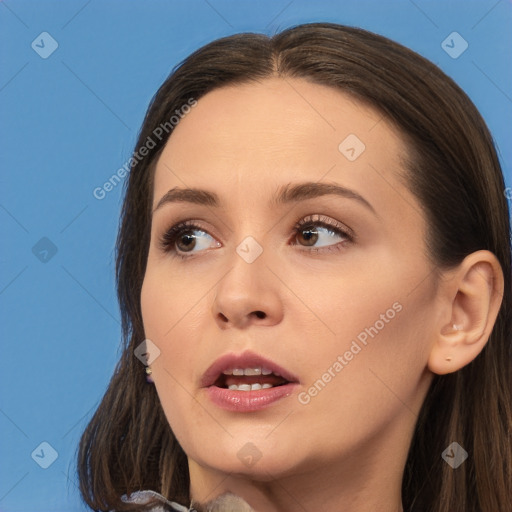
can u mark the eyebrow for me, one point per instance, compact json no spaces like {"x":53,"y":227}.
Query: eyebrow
{"x":286,"y":194}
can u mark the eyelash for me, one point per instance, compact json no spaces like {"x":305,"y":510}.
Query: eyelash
{"x":168,"y":239}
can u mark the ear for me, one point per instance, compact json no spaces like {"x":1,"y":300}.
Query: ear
{"x":473,"y":292}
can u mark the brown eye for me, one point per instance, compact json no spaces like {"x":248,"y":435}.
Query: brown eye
{"x":183,"y":238}
{"x":189,"y":242}
{"x":309,"y":235}
{"x":318,"y":231}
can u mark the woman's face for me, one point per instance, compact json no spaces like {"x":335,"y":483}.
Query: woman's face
{"x":331,"y":286}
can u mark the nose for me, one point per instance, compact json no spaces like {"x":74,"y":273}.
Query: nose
{"x":249,"y":294}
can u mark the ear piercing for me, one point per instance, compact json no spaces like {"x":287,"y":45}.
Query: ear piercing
{"x":448,"y":358}
{"x":148,"y":374}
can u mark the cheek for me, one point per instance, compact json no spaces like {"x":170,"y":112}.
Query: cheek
{"x":160,"y":315}
{"x":163,"y":314}
{"x":153,"y":307}
{"x":378,"y":353}
{"x":170,"y":301}
{"x":357,"y":389}
{"x":379,"y":305}
{"x":344,"y":307}
{"x":172,"y":322}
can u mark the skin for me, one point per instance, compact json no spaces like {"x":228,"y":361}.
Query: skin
{"x":346,"y":448}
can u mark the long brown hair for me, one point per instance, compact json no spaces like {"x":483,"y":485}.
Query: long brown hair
{"x":454,"y":172}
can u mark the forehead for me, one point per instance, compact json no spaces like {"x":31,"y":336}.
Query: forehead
{"x":300,"y":112}
{"x":257,"y":136}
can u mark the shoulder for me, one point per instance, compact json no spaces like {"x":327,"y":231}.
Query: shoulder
{"x":142,"y":497}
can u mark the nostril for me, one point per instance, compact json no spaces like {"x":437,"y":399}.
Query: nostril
{"x":260,"y":314}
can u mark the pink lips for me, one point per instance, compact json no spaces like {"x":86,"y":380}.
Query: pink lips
{"x":246,"y":401}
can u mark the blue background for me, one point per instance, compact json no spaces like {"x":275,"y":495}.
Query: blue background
{"x":70,"y":121}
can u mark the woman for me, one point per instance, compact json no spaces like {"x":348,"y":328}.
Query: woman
{"x":314,"y":267}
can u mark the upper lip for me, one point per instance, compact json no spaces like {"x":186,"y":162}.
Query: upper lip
{"x":245,"y":360}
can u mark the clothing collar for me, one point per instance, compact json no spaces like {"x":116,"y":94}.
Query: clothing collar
{"x":144,"y":496}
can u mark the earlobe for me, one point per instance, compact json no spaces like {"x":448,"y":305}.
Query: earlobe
{"x":475,"y":293}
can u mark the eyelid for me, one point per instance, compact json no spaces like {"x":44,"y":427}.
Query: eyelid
{"x":327,"y":222}
{"x":170,"y":235}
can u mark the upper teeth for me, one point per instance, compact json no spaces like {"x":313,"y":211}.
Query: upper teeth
{"x":250,"y":387}
{"x":257,"y":370}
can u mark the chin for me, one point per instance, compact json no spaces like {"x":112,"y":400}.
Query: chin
{"x":260,"y":464}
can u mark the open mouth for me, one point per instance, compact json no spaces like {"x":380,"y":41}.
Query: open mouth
{"x":246,"y":372}
{"x":247,"y":382}
{"x":249,"y":379}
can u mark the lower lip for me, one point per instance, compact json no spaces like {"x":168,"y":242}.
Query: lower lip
{"x":247,"y":401}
